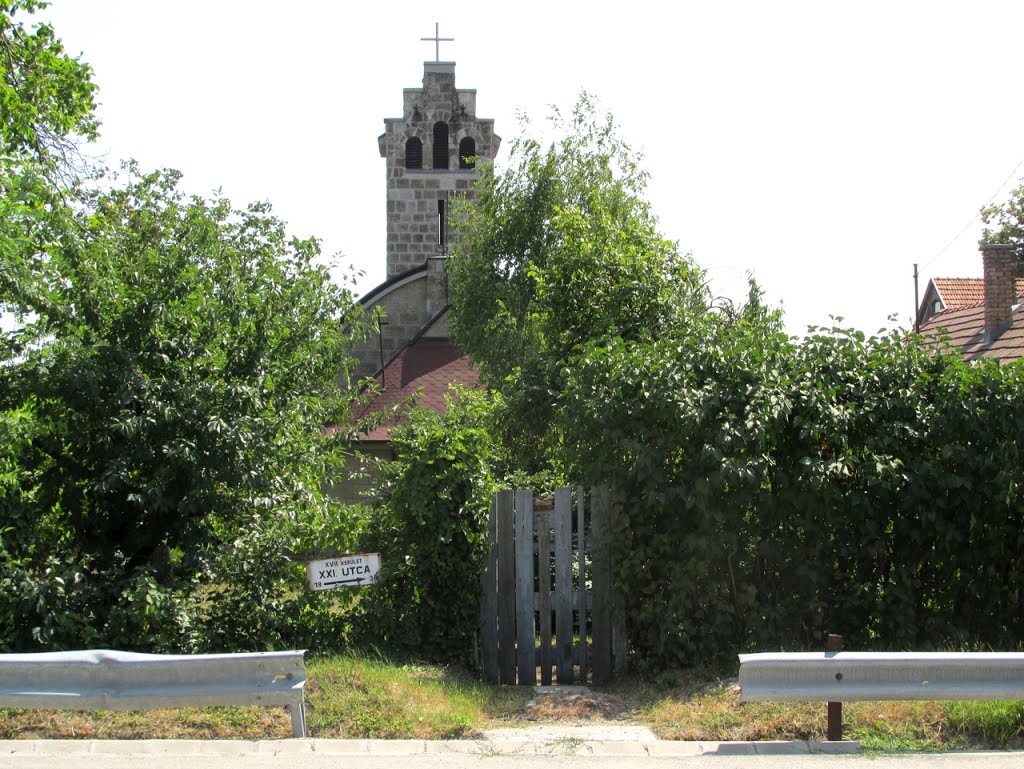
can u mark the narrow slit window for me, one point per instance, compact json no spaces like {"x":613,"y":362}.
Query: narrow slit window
{"x":442,"y":224}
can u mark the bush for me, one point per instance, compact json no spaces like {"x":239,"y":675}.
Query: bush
{"x":778,"y":491}
{"x":431,"y":532}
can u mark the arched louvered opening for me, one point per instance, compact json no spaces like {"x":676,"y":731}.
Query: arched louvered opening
{"x":467,"y":153}
{"x":440,"y":145}
{"x":413,"y":153}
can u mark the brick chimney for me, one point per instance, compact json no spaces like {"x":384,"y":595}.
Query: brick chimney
{"x":1000,"y":263}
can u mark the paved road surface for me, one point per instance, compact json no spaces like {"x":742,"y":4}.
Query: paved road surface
{"x":510,"y":754}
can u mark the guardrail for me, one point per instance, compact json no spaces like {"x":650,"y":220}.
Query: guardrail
{"x":114,"y":680}
{"x":839,"y":676}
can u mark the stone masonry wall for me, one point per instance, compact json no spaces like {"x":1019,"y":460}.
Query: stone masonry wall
{"x":404,"y":313}
{"x":413,"y":194}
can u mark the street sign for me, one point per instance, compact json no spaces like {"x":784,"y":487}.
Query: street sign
{"x":343,"y":571}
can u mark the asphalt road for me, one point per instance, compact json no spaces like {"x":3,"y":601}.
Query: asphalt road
{"x":382,"y":754}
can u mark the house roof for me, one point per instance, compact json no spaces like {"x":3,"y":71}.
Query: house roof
{"x":964,"y":331}
{"x":424,"y":370}
{"x":957,"y":293}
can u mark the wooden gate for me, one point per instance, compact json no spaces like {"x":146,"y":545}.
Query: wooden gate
{"x":547,"y":602}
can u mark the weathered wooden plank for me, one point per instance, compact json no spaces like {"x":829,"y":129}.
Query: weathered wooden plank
{"x":575,"y":601}
{"x":601,"y":614}
{"x":618,"y":604}
{"x":620,"y":657}
{"x":562,"y":520}
{"x":581,"y":593}
{"x":506,"y":554}
{"x":489,"y":600}
{"x":526,"y":634}
{"x":543,"y":523}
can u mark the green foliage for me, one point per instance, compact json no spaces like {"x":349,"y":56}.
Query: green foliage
{"x":777,"y":491}
{"x":772,"y":490}
{"x":558,"y":250}
{"x":170,"y":392}
{"x":252,"y":594}
{"x":431,"y":532}
{"x":1000,"y":724}
{"x":1005,"y":224}
{"x":46,"y":105}
{"x":46,"y":97}
{"x":163,"y":390}
{"x":185,"y":364}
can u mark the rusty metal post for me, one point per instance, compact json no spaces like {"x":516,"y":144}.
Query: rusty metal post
{"x":835,"y":709}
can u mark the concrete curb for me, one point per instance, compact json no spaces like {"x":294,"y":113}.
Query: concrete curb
{"x":553,"y":747}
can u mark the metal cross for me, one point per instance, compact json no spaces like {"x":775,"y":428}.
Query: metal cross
{"x":437,"y":40}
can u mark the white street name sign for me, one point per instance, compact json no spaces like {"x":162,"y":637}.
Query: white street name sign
{"x":343,"y":571}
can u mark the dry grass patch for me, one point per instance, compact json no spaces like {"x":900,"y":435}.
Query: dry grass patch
{"x":573,"y":706}
{"x":241,"y":723}
{"x":690,"y":708}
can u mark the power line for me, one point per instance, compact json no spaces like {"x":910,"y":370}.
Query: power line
{"x":975,"y":217}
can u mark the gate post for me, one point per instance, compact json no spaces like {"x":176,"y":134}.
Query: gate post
{"x":526,"y":632}
{"x":489,"y":599}
{"x":600,"y":521}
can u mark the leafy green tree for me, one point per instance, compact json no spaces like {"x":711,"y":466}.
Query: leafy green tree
{"x":47,"y":103}
{"x":183,"y":367}
{"x":559,"y":250}
{"x":1005,"y":224}
{"x":179,"y":368}
{"x":163,"y":392}
{"x":47,"y":96}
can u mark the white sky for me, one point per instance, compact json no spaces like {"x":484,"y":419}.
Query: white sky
{"x":825,"y":147}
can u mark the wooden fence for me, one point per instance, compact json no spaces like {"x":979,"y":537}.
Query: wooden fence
{"x":547,"y":601}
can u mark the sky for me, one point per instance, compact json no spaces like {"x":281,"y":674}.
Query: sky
{"x":823,"y":148}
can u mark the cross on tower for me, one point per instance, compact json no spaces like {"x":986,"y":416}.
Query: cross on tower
{"x":437,"y":40}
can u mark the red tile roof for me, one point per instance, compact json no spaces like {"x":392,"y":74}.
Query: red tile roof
{"x":424,"y":370}
{"x":965,"y":327}
{"x":957,"y":293}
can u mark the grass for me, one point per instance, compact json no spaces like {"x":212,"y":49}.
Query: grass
{"x":347,"y":697}
{"x":362,"y":697}
{"x":370,"y":698}
{"x":692,"y":709}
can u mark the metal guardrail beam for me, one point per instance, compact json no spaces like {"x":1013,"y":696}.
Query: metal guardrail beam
{"x":114,"y":680}
{"x":852,"y":676}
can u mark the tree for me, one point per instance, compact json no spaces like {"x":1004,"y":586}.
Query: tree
{"x":47,"y":96}
{"x":179,"y":368}
{"x":183,"y":368}
{"x":772,"y":490}
{"x":1005,"y":224}
{"x":46,"y":105}
{"x":163,"y":392}
{"x":559,"y":250}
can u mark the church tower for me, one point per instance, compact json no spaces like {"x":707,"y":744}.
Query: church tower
{"x":431,"y":154}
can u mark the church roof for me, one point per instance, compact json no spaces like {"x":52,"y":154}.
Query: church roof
{"x":423,"y":371}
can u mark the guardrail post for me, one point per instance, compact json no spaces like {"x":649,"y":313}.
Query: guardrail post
{"x":835,"y":709}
